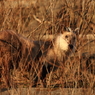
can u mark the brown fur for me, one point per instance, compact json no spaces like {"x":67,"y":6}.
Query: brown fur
{"x":17,"y":51}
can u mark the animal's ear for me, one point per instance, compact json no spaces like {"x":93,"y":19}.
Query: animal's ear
{"x":68,"y":29}
{"x":76,"y":31}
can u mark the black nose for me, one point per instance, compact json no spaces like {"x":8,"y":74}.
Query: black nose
{"x":71,"y":46}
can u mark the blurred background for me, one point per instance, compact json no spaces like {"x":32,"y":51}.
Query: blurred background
{"x":36,"y":19}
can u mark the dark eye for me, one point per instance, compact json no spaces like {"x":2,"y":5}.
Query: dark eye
{"x":66,"y":36}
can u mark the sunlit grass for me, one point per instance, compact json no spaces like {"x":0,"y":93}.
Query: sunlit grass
{"x":34,"y":20}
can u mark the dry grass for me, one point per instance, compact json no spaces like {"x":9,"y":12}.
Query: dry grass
{"x":35,"y":19}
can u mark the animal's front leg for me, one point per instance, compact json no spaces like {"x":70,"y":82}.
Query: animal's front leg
{"x":44,"y":72}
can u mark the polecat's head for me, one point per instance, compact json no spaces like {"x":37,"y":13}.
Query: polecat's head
{"x":67,"y":40}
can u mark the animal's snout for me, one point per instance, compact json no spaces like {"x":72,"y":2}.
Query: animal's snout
{"x":71,"y":46}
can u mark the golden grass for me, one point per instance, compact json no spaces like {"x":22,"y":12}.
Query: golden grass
{"x":33,"y":20}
